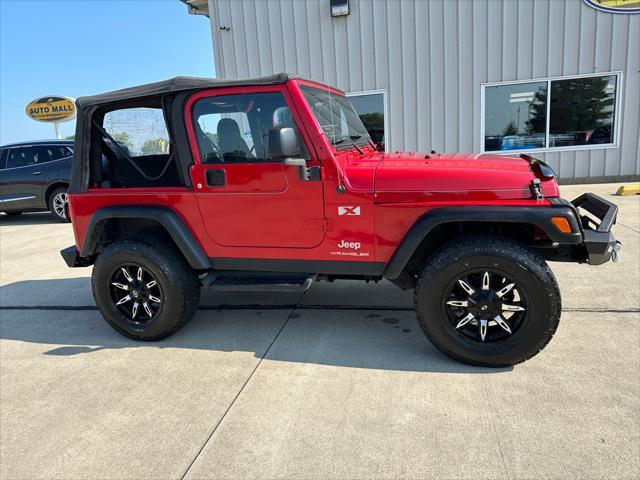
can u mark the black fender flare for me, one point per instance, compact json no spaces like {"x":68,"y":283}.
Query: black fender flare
{"x":167,"y":218}
{"x":539,"y":216}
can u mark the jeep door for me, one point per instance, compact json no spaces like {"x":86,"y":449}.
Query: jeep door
{"x":246,"y":197}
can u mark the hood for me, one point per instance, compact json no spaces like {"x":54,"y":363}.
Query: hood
{"x":499,"y":177}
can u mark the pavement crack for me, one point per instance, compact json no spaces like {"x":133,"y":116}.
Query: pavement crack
{"x":627,"y":226}
{"x":237,"y":395}
{"x":298,"y":306}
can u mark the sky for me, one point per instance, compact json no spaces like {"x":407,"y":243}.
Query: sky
{"x":82,"y":47}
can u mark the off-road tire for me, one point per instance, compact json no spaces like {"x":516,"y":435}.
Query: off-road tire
{"x":524,"y":266}
{"x":178,"y":281}
{"x":52,"y":207}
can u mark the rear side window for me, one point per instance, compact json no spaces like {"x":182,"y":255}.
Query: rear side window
{"x":49,"y":153}
{"x":135,"y":150}
{"x":22,"y":157}
{"x":141,"y":130}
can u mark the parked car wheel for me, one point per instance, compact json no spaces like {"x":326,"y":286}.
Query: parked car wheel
{"x":488,"y":301}
{"x":58,"y":205}
{"x":145,"y":292}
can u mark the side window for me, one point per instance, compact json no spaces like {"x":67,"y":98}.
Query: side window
{"x":22,"y":157}
{"x":235,"y":128}
{"x":136,"y":152}
{"x":49,"y":153}
{"x":3,"y":157}
{"x":142,"y":131}
{"x":56,"y":152}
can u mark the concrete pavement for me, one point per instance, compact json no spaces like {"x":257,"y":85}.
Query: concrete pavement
{"x":337,"y":383}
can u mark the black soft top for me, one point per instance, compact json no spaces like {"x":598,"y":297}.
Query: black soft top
{"x":175,"y":85}
{"x":94,"y":106}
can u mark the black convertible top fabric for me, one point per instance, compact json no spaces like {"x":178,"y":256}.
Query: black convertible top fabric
{"x":177,"y":84}
{"x":87,"y":106}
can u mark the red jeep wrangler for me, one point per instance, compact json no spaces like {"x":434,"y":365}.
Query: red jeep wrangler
{"x":273,"y":183}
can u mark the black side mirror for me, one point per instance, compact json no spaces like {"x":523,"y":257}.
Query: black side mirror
{"x":283,"y":143}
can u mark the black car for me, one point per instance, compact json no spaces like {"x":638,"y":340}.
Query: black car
{"x":34,"y":176}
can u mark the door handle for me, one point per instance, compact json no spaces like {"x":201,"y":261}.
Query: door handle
{"x":216,"y":178}
{"x":295,"y":162}
{"x":37,"y":173}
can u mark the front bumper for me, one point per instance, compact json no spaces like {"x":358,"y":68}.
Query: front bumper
{"x":596,"y":216}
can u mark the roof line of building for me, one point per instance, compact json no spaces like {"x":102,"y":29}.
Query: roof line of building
{"x":197,"y":7}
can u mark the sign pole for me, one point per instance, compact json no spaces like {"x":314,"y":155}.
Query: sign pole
{"x":56,"y":127}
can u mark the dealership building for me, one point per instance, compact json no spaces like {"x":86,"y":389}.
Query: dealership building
{"x":559,"y":79}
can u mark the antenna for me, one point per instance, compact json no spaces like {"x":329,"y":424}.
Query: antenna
{"x":340,"y":188}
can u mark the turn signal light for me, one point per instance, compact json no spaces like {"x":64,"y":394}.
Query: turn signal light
{"x":562,"y":224}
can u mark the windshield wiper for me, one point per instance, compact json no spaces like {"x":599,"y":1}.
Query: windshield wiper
{"x":352,"y":137}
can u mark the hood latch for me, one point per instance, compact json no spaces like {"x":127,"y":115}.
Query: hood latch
{"x":536,"y":189}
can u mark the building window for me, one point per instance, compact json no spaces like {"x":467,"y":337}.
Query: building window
{"x":372,"y":109}
{"x":569,"y":113}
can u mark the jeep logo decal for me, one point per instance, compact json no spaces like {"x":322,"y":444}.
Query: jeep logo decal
{"x":352,"y":245}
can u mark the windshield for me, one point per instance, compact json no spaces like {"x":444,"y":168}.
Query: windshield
{"x":335,"y":114}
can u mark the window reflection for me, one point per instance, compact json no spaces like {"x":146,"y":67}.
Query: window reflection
{"x":581,"y":112}
{"x":370,"y":109}
{"x":515,"y":116}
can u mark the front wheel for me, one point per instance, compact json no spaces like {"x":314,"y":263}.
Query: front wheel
{"x":144,"y":291}
{"x":488,"y":301}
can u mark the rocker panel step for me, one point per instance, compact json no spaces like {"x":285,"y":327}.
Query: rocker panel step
{"x":252,"y":282}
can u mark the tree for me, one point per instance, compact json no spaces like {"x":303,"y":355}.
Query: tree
{"x":122,"y":137}
{"x":70,"y":137}
{"x":510,"y":129}
{"x":155,"y":146}
{"x":577,"y":105}
{"x":213,"y":137}
{"x":581,"y":104}
{"x":537,"y":122}
{"x":374,"y":123}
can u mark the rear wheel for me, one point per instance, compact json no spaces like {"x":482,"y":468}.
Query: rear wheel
{"x":145,"y":291}
{"x":488,"y":301}
{"x":58,"y":205}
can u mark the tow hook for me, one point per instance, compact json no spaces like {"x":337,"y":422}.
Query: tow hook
{"x":615,"y":253}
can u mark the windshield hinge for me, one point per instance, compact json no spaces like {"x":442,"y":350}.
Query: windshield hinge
{"x":536,"y":189}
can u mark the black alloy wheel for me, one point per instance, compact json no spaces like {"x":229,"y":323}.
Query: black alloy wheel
{"x":144,"y":288}
{"x":479,"y":301}
{"x":488,"y":301}
{"x":136,"y":293}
